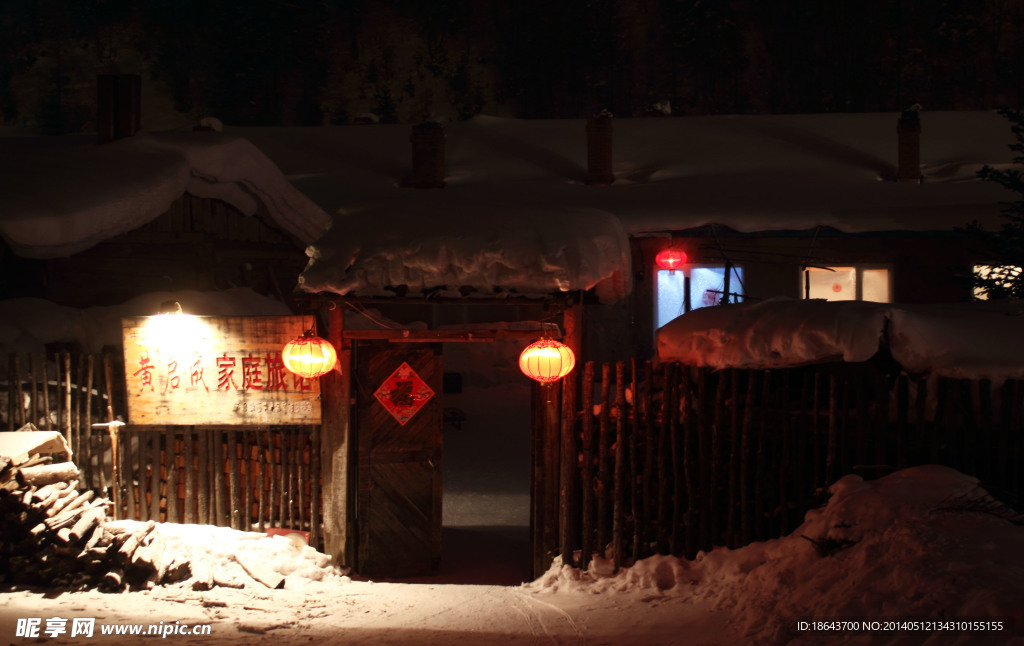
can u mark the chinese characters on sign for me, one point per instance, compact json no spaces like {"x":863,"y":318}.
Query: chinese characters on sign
{"x":215,"y":370}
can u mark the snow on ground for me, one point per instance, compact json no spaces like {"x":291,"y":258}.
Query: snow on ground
{"x":967,"y":340}
{"x":913,"y":546}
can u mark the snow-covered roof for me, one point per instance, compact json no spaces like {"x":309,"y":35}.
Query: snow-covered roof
{"x":518,"y":186}
{"x":748,"y":172}
{"x":966,"y":340}
{"x":482,"y":250}
{"x":62,"y":195}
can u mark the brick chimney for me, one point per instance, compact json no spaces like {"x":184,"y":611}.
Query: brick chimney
{"x":427,"y":155}
{"x":908,"y":133}
{"x":118,"y":106}
{"x":599,"y":149}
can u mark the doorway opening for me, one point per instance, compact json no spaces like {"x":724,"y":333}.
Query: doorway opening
{"x":486,"y":506}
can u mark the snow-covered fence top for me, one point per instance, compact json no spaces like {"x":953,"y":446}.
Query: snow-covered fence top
{"x":969,"y":340}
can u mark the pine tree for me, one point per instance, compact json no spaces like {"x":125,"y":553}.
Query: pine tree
{"x":1005,"y":278}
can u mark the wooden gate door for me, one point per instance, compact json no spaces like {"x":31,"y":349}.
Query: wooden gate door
{"x":398,"y":436}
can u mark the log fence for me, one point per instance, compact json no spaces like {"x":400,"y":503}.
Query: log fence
{"x":676,"y":459}
{"x":252,"y":478}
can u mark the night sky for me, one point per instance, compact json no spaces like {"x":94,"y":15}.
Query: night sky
{"x":316,"y":62}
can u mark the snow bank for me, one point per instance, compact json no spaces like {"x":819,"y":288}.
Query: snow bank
{"x":969,"y":340}
{"x":480,"y":250}
{"x":61,"y":195}
{"x":913,"y":544}
{"x":225,"y":549}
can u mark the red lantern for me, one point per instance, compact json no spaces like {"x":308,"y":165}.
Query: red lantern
{"x":547,"y":360}
{"x":309,"y":356}
{"x":670,"y":259}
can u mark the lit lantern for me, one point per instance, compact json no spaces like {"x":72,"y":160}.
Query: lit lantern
{"x":670,"y":258}
{"x":546,"y":360}
{"x":309,"y":356}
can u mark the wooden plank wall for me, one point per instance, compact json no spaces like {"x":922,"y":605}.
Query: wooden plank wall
{"x":272,"y":472}
{"x":679,"y":459}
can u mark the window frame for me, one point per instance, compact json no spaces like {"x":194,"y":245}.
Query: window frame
{"x":858,"y":269}
{"x":737,"y":272}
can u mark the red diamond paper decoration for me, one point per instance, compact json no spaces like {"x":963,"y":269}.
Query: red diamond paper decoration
{"x":403,"y":394}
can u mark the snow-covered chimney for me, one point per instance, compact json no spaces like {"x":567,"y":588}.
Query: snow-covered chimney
{"x":427,"y":155}
{"x":118,"y":106}
{"x":908,"y":132}
{"x":599,"y":149}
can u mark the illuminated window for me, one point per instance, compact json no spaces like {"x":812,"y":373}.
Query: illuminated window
{"x":846,"y":284}
{"x":1003,"y":275}
{"x":707,"y":287}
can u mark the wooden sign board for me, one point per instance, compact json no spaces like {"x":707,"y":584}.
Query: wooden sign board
{"x":199,"y":370}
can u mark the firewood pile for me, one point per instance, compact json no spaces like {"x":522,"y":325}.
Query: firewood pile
{"x":54,"y":535}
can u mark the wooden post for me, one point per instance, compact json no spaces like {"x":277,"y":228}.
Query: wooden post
{"x":12,"y":397}
{"x":746,"y":509}
{"x":604,"y":472}
{"x":204,"y":477}
{"x":155,"y":463}
{"x":234,"y":484}
{"x":171,"y":460}
{"x":139,"y":465}
{"x":692,"y":518}
{"x":247,"y":477}
{"x":618,"y":507}
{"x":190,"y":487}
{"x":301,"y":437}
{"x":987,"y":429}
{"x":129,"y":460}
{"x":314,"y":489}
{"x":263,"y":461}
{"x":219,"y":499}
{"x":44,"y":370}
{"x":672,"y":395}
{"x":833,"y":430}
{"x":667,"y":403}
{"x":634,"y":465}
{"x":785,"y":474}
{"x":587,"y":472}
{"x":271,"y":482}
{"x":760,"y":468}
{"x":648,"y":473}
{"x":33,"y":391}
{"x":734,"y":462}
{"x":902,"y":415}
{"x":544,"y":486}
{"x":336,"y":448}
{"x":717,"y":468}
{"x":68,"y":429}
{"x":567,"y":478}
{"x":86,"y":456}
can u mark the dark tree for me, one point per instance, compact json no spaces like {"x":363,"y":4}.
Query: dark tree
{"x":1006,"y":279}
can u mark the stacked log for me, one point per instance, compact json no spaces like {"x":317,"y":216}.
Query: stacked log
{"x":54,"y":535}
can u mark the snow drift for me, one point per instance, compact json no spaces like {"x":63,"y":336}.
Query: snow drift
{"x":926,"y":542}
{"x":968,"y":340}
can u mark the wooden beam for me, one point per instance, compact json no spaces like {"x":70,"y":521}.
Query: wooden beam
{"x":433,"y":336}
{"x":335,"y":448}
